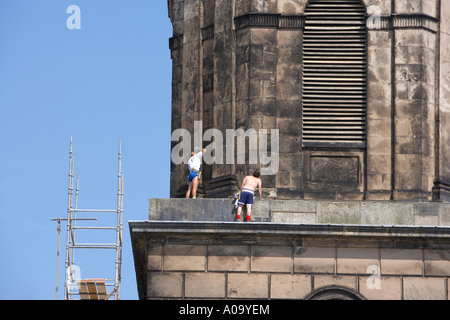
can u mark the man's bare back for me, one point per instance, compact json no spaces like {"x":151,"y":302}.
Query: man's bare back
{"x":250,"y":182}
{"x":248,"y":187}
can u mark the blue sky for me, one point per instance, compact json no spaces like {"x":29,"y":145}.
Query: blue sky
{"x":107,"y":81}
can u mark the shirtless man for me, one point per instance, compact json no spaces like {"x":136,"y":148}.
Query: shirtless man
{"x":248,"y":188}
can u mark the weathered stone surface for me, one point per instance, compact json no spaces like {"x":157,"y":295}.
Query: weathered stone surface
{"x":287,"y":286}
{"x":184,"y":257}
{"x":241,"y":66}
{"x":205,"y":285}
{"x":356,"y":260}
{"x":314,"y":260}
{"x":401,"y":261}
{"x":424,"y":288}
{"x":437,"y":262}
{"x":389,"y":288}
{"x":321,"y":281}
{"x":208,"y":260}
{"x":361,"y":216}
{"x":228,"y":258}
{"x":306,"y":211}
{"x":271,"y":259}
{"x":248,"y":285}
{"x":165,"y":285}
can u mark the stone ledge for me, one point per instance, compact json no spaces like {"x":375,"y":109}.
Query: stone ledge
{"x":327,"y":230}
{"x":306,"y":211}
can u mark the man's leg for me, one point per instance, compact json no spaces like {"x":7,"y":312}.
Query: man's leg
{"x":239,"y":210}
{"x":249,"y":211}
{"x":194,"y":187}
{"x":188,"y":193}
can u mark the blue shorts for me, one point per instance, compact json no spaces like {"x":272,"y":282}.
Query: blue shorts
{"x":246,"y":198}
{"x":192,"y":175}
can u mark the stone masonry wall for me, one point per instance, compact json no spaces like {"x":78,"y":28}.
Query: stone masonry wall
{"x":226,"y":260}
{"x":238,"y":64}
{"x":233,"y":271}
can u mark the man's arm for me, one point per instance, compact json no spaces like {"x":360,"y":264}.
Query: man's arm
{"x":200,"y":153}
{"x":260,"y":189}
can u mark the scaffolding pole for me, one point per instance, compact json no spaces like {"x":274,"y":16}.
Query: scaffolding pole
{"x":91,"y":288}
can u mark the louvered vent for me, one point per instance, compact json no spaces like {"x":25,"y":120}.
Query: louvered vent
{"x":334,"y":74}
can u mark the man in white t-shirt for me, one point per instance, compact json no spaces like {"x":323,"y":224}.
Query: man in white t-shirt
{"x":194,"y":165}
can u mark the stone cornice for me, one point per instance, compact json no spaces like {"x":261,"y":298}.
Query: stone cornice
{"x":395,"y":21}
{"x":328,"y":230}
{"x":297,"y":22}
{"x":404,"y":21}
{"x":269,"y":20}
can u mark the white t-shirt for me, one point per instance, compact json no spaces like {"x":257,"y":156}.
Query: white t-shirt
{"x":195,"y":162}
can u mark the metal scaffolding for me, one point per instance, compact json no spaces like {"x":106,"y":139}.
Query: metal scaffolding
{"x":98,"y":288}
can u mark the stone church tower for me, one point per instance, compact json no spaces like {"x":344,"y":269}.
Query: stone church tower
{"x":357,"y":94}
{"x":359,"y":91}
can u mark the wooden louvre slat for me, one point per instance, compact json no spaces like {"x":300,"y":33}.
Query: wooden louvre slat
{"x":334,"y":74}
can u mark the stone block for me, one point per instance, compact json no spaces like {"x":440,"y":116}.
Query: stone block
{"x":378,"y":57}
{"x":190,"y":209}
{"x":379,"y":164}
{"x":205,"y":285}
{"x":294,"y":217}
{"x":228,"y":258}
{"x":289,"y":38}
{"x":423,"y":288}
{"x":263,"y":36}
{"x":261,"y":210}
{"x":380,"y":128}
{"x":379,"y":39}
{"x":380,"y":74}
{"x":378,"y":182}
{"x":380,"y":7}
{"x":288,"y":90}
{"x":154,"y":257}
{"x":356,"y":260}
{"x":378,"y":109}
{"x":401,"y":261}
{"x":427,"y":220}
{"x":379,"y":91}
{"x":427,"y":7}
{"x":444,"y":214}
{"x":248,"y":285}
{"x":437,"y":262}
{"x":288,"y":286}
{"x":386,"y":213}
{"x":287,"y":108}
{"x":293,"y":206}
{"x":314,"y":260}
{"x":271,"y":259}
{"x":184,"y":257}
{"x":338,"y":212}
{"x":165,"y":285}
{"x":390,"y":288}
{"x":291,"y":6}
{"x":335,"y":280}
